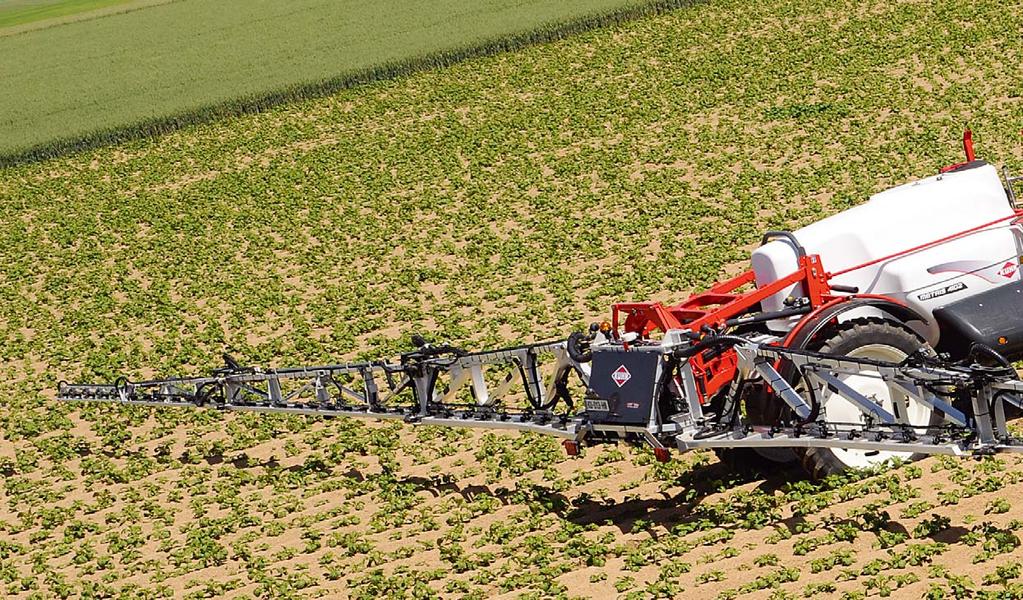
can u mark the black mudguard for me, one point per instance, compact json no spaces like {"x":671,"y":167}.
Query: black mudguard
{"x":815,"y":323}
{"x":993,"y":318}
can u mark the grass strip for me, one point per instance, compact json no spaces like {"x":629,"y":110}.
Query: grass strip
{"x":260,"y":101}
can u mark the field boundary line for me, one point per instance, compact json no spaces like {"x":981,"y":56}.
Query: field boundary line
{"x":260,"y":102}
{"x":82,"y":17}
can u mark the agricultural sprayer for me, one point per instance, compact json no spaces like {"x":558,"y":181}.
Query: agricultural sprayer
{"x":884,"y":331}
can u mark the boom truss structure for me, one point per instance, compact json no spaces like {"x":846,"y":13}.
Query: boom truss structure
{"x":528,"y":388}
{"x":431,"y":386}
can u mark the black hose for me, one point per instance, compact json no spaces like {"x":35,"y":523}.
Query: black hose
{"x":710,"y":342}
{"x":121,"y":385}
{"x":845,"y":289}
{"x":768,"y":316}
{"x":977,"y":348}
{"x":578,"y":347}
{"x":786,"y":235}
{"x":205,"y":392}
{"x":733,"y":420}
{"x":815,"y":403}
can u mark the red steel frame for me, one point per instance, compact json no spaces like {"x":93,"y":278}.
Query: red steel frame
{"x":715,"y":306}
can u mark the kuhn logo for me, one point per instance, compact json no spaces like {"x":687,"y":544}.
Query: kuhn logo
{"x":1008,"y":270}
{"x":620,"y":376}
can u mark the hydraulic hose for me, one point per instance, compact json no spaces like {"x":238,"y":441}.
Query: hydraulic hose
{"x":710,"y":342}
{"x":578,"y":347}
{"x":977,"y":349}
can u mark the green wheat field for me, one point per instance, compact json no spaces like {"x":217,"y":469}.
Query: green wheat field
{"x":81,"y":72}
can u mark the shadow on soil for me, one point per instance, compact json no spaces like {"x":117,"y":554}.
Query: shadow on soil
{"x":673,"y":509}
{"x":664,"y":510}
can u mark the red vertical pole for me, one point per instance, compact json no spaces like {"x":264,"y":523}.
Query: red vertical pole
{"x":968,"y":144}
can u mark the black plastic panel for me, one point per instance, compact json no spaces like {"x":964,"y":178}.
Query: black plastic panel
{"x":628,"y":382}
{"x":984,"y":318}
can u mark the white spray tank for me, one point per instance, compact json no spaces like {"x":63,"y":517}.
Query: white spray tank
{"x":900,"y":219}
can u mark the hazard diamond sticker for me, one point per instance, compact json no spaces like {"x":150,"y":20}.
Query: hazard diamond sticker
{"x":620,"y":376}
{"x":1008,"y":270}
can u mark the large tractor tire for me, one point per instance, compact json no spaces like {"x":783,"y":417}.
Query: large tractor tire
{"x":757,"y":463}
{"x":759,"y":409}
{"x":874,"y":338}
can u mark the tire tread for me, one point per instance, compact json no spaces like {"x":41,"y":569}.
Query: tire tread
{"x":821,"y":462}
